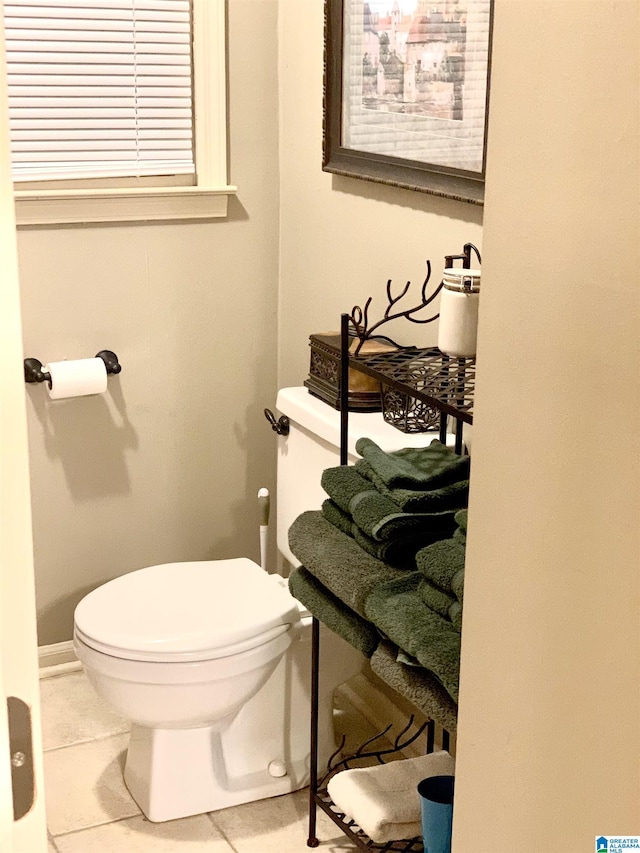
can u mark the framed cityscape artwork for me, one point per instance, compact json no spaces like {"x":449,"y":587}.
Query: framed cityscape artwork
{"x":407,"y":93}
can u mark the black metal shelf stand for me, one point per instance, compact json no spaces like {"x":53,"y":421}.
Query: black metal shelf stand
{"x":446,"y":384}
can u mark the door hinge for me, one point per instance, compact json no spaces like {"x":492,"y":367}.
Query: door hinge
{"x":21,"y":756}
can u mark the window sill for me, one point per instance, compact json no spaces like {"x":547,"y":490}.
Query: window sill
{"x":157,"y":204}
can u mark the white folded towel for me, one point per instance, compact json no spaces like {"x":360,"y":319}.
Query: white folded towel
{"x":384,"y":800}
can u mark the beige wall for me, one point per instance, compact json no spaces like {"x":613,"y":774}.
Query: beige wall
{"x":342,"y":239}
{"x":549,"y":735}
{"x":166,"y":465}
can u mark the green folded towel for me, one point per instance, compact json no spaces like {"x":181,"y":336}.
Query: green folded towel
{"x":343,"y":484}
{"x":461,"y":520}
{"x":441,"y":561}
{"x":380,"y":518}
{"x":455,"y":615}
{"x":377,"y":516}
{"x":457,"y":582}
{"x":415,"y":467}
{"x":336,"y":516}
{"x":453,"y":496}
{"x":460,"y":536}
{"x":399,"y":552}
{"x":337,"y":560}
{"x":397,"y":610}
{"x":417,"y":685}
{"x":434,"y":597}
{"x":457,"y":585}
{"x":332,"y":612}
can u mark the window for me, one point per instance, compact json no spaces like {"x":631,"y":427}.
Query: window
{"x":101,"y":100}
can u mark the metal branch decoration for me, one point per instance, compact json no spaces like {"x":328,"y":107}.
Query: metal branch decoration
{"x":367,"y":751}
{"x":360,"y":317}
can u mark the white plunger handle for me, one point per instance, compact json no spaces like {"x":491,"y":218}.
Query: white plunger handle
{"x":264,"y":506}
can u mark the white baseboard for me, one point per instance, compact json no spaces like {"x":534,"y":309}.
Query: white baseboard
{"x":57,"y":659}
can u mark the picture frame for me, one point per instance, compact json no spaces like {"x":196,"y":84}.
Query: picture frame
{"x":406,"y":93}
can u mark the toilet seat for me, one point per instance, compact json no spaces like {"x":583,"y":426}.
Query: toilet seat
{"x":182,"y":657}
{"x":186,"y":612}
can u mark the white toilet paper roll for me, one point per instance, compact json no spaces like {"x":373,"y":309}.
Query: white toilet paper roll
{"x":76,"y":378}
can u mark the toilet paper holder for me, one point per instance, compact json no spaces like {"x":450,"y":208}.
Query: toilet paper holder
{"x":34,"y":371}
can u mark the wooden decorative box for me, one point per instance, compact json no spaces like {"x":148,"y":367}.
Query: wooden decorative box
{"x":324,"y":373}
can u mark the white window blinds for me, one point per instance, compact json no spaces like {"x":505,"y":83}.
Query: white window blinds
{"x":99,"y":88}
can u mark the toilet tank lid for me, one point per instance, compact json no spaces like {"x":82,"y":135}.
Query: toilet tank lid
{"x":186,"y":607}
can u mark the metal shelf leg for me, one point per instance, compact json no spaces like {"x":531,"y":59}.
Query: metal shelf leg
{"x":312,"y":840}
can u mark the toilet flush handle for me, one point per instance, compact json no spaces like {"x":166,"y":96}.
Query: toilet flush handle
{"x":280,"y":426}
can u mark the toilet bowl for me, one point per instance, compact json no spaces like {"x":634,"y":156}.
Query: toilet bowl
{"x":175,"y":694}
{"x":181,"y":650}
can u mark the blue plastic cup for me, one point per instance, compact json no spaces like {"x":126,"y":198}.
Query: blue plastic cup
{"x":436,"y":810}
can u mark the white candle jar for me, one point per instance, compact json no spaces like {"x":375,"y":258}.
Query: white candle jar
{"x":458,"y":324}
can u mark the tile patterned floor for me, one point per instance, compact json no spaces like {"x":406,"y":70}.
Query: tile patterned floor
{"x":89,"y":809}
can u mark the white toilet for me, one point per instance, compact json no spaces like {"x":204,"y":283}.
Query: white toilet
{"x":211,"y":660}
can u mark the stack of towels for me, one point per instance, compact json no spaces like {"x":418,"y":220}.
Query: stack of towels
{"x":393,"y":504}
{"x":421,"y":611}
{"x":441,"y":566}
{"x":384,"y":800}
{"x":387,"y":549}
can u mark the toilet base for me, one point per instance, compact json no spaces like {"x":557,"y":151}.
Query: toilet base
{"x":175,"y":773}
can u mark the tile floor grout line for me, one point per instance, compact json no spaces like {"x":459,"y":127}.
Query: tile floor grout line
{"x":84,"y":742}
{"x":222,"y":832}
{"x":94,"y":826}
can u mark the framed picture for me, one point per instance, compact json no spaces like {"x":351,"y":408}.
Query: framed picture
{"x":406,"y":93}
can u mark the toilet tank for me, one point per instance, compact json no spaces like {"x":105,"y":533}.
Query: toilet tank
{"x":313,"y":444}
